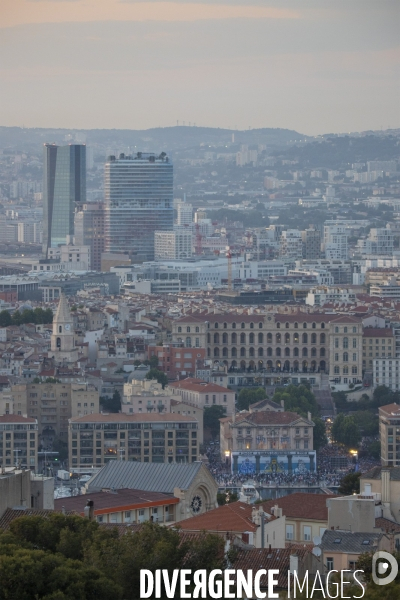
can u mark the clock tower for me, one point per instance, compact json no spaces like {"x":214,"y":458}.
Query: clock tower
{"x":63,"y":340}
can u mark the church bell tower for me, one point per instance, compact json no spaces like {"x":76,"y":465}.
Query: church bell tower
{"x":63,"y":339}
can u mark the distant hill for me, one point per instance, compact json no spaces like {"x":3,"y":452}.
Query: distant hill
{"x":157,"y":139}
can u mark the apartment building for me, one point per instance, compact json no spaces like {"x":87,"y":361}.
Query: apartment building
{"x":386,"y":372}
{"x":203,"y":394}
{"x":177,"y":360}
{"x":378,"y":342}
{"x":52,"y":404}
{"x":161,"y":438}
{"x":18,"y":442}
{"x":389,"y":433}
{"x":345,"y":350}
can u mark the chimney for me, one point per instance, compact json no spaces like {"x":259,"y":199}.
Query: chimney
{"x":89,"y":510}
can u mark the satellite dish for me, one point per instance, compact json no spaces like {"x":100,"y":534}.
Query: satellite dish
{"x":316,"y":540}
{"x":317,"y":551}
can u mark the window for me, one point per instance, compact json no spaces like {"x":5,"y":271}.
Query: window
{"x":345,"y":342}
{"x":329,"y":563}
{"x":345,"y":357}
{"x":188,"y":329}
{"x":354,"y":343}
{"x":354,"y":329}
{"x":289,"y":532}
{"x":354,"y":356}
{"x":345,"y":329}
{"x":336,"y":329}
{"x":307,"y":533}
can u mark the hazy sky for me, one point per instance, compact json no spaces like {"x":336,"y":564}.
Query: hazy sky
{"x":316,"y":66}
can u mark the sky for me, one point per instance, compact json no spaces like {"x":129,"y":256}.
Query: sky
{"x":316,"y":66}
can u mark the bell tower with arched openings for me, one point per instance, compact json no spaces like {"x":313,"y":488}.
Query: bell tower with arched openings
{"x":63,"y":339}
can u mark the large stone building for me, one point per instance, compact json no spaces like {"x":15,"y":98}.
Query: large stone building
{"x":389,"y":432}
{"x":203,"y":394}
{"x":160,"y":438}
{"x":52,"y":404}
{"x":346,"y":343}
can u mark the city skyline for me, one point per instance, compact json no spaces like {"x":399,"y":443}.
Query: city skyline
{"x":312,"y":67}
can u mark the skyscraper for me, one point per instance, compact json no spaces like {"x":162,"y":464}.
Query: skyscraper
{"x":138,"y":201}
{"x":64,"y":184}
{"x":89,"y":231}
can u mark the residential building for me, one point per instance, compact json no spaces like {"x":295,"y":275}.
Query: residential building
{"x":138,"y":201}
{"x":96,"y":439}
{"x":64,"y":185}
{"x":379,"y":241}
{"x":321,"y":295}
{"x":336,"y":241}
{"x":123,"y":506}
{"x":243,"y":521}
{"x":386,"y":372}
{"x":378,"y":342}
{"x":384,"y":481}
{"x":203,"y":394}
{"x":389,"y":433}
{"x":176,"y":360}
{"x":341,"y":549}
{"x":19,"y":442}
{"x":311,"y":240}
{"x":89,"y":231}
{"x":172,"y":245}
{"x":345,"y":350}
{"x":192,"y":484}
{"x":52,"y":404}
{"x":190,"y":330}
{"x":185,"y":213}
{"x":291,"y":244}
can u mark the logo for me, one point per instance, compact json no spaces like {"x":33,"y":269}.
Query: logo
{"x":384,"y":563}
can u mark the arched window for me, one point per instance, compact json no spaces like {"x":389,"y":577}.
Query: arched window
{"x":354,"y":329}
{"x":345,"y":370}
{"x":322,"y":325}
{"x":58,"y":342}
{"x":305,"y":338}
{"x":278,"y":352}
{"x":260,"y":326}
{"x":314,"y":325}
{"x":242,"y":351}
{"x":322,"y":352}
{"x":287,"y":325}
{"x":216,"y":352}
{"x":296,"y":337}
{"x":197,"y":329}
{"x":269,"y":338}
{"x":345,"y":357}
{"x":322,"y":338}
{"x":296,"y":325}
{"x":233,"y":325}
{"x":295,"y":351}
{"x":304,"y":325}
{"x":242,"y":338}
{"x":313,"y":352}
{"x":278,"y":325}
{"x":179,"y":329}
{"x":234,"y":338}
{"x":224,"y":338}
{"x":234,"y":352}
{"x":354,"y":370}
{"x":225,"y":325}
{"x":187,"y":329}
{"x":305,"y":352}
{"x":216,"y":325}
{"x":336,"y":329}
{"x":251,"y":325}
{"x":261,"y":352}
{"x":278,"y":338}
{"x":287,"y":338}
{"x":269,"y":351}
{"x":60,"y":329}
{"x":345,"y":329}
{"x":251,"y":351}
{"x":251,"y":338}
{"x":260,"y":338}
{"x":242,"y":325}
{"x":225,"y":352}
{"x":287,"y":351}
{"x":313,"y":338}
{"x":216,"y":338}
{"x":208,"y":338}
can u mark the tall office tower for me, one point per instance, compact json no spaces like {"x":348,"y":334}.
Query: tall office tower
{"x":89,"y":231}
{"x":64,"y":184}
{"x":138,"y":201}
{"x":311,"y":239}
{"x":185,"y":213}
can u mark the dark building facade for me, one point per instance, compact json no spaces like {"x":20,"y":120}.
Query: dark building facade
{"x":89,"y":231}
{"x":64,"y":184}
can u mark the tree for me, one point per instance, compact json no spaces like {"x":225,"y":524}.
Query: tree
{"x":153,"y":361}
{"x":60,"y":447}
{"x":112,"y":405}
{"x":299,"y":399}
{"x":367,"y":422}
{"x":374,"y":450}
{"x":319,"y":433}
{"x":250,"y":396}
{"x":5,"y":318}
{"x":350,"y":484}
{"x":212,"y":415}
{"x":346,"y":431}
{"x":160,"y":376}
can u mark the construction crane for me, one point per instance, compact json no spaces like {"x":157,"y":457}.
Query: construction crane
{"x":229,"y":257}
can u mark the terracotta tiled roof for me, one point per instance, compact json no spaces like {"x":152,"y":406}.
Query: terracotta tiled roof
{"x":230,"y":517}
{"x":14,"y":513}
{"x":270,"y":417}
{"x":302,"y":506}
{"x":378,"y":332}
{"x":387,"y":525}
{"x":265,"y":558}
{"x":123,"y":499}
{"x":16,"y":419}
{"x":199,"y":386}
{"x":390,"y":410}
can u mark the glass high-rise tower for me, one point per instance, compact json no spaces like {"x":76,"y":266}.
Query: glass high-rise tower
{"x":64,"y":184}
{"x":138,"y":201}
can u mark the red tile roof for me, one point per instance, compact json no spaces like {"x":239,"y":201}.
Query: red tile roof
{"x":391,"y":410}
{"x":378,"y":332}
{"x":302,"y":505}
{"x":269,"y":417}
{"x":230,"y":517}
{"x":265,"y":558}
{"x":197,"y":385}
{"x":16,"y":419}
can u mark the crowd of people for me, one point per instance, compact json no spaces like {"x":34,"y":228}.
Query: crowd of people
{"x":333,"y":463}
